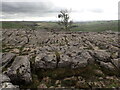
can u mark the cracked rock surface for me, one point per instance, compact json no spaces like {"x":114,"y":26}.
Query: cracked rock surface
{"x":28,"y":56}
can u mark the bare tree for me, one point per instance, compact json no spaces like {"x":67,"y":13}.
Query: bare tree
{"x":65,"y":19}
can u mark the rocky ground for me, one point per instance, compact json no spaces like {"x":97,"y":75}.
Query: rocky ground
{"x":40,"y":59}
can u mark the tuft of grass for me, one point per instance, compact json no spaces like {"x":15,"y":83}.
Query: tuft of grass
{"x":68,"y":83}
{"x":110,"y":73}
{"x":57,"y":54}
{"x":112,"y":85}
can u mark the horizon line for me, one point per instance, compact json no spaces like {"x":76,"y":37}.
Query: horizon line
{"x":56,"y":20}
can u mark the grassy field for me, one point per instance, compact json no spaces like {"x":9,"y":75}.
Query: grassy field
{"x":97,"y":26}
{"x":77,"y":26}
{"x":16,"y":24}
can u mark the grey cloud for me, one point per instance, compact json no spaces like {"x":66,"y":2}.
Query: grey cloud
{"x":22,"y":9}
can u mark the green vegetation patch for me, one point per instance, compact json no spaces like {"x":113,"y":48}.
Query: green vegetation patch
{"x":60,"y":73}
{"x":93,"y":26}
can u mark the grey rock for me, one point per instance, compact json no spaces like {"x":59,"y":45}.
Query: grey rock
{"x":9,"y":85}
{"x":82,"y":59}
{"x":20,"y":70}
{"x":4,"y":78}
{"x":45,"y":61}
{"x":77,"y":49}
{"x":108,"y":65}
{"x":116,"y":62}
{"x":65,"y":61}
{"x":5,"y":82}
{"x":100,"y":55}
{"x":0,"y":62}
{"x":7,"y":58}
{"x":79,"y":62}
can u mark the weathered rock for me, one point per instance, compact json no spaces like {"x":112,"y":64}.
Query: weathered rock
{"x":81,"y":84}
{"x":100,"y":55}
{"x":45,"y":61}
{"x":76,"y":49}
{"x":7,"y":58}
{"x":108,"y":65}
{"x":116,"y":62}
{"x":65,"y":61}
{"x":82,"y":59}
{"x":0,"y":62}
{"x":8,"y":85}
{"x":20,"y":70}
{"x":48,"y":60}
{"x":113,"y":49}
{"x":4,"y":78}
{"x":5,"y":82}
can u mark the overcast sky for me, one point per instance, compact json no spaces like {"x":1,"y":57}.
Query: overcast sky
{"x":47,"y":10}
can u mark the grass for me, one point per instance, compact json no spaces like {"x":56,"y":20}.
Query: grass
{"x":5,"y":48}
{"x":96,"y":26}
{"x":48,"y":25}
{"x":77,"y":26}
{"x":17,"y":25}
{"x":113,"y":85}
{"x":68,"y":82}
{"x":88,"y":73}
{"x":60,"y":73}
{"x":110,"y":73}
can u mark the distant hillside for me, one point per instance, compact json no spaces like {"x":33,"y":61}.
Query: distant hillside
{"x":97,"y":26}
{"x":17,"y":24}
{"x":77,"y":26}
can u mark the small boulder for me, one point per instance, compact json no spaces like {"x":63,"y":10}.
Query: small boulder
{"x":45,"y":61}
{"x":20,"y":70}
{"x":5,"y":82}
{"x":82,"y":59}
